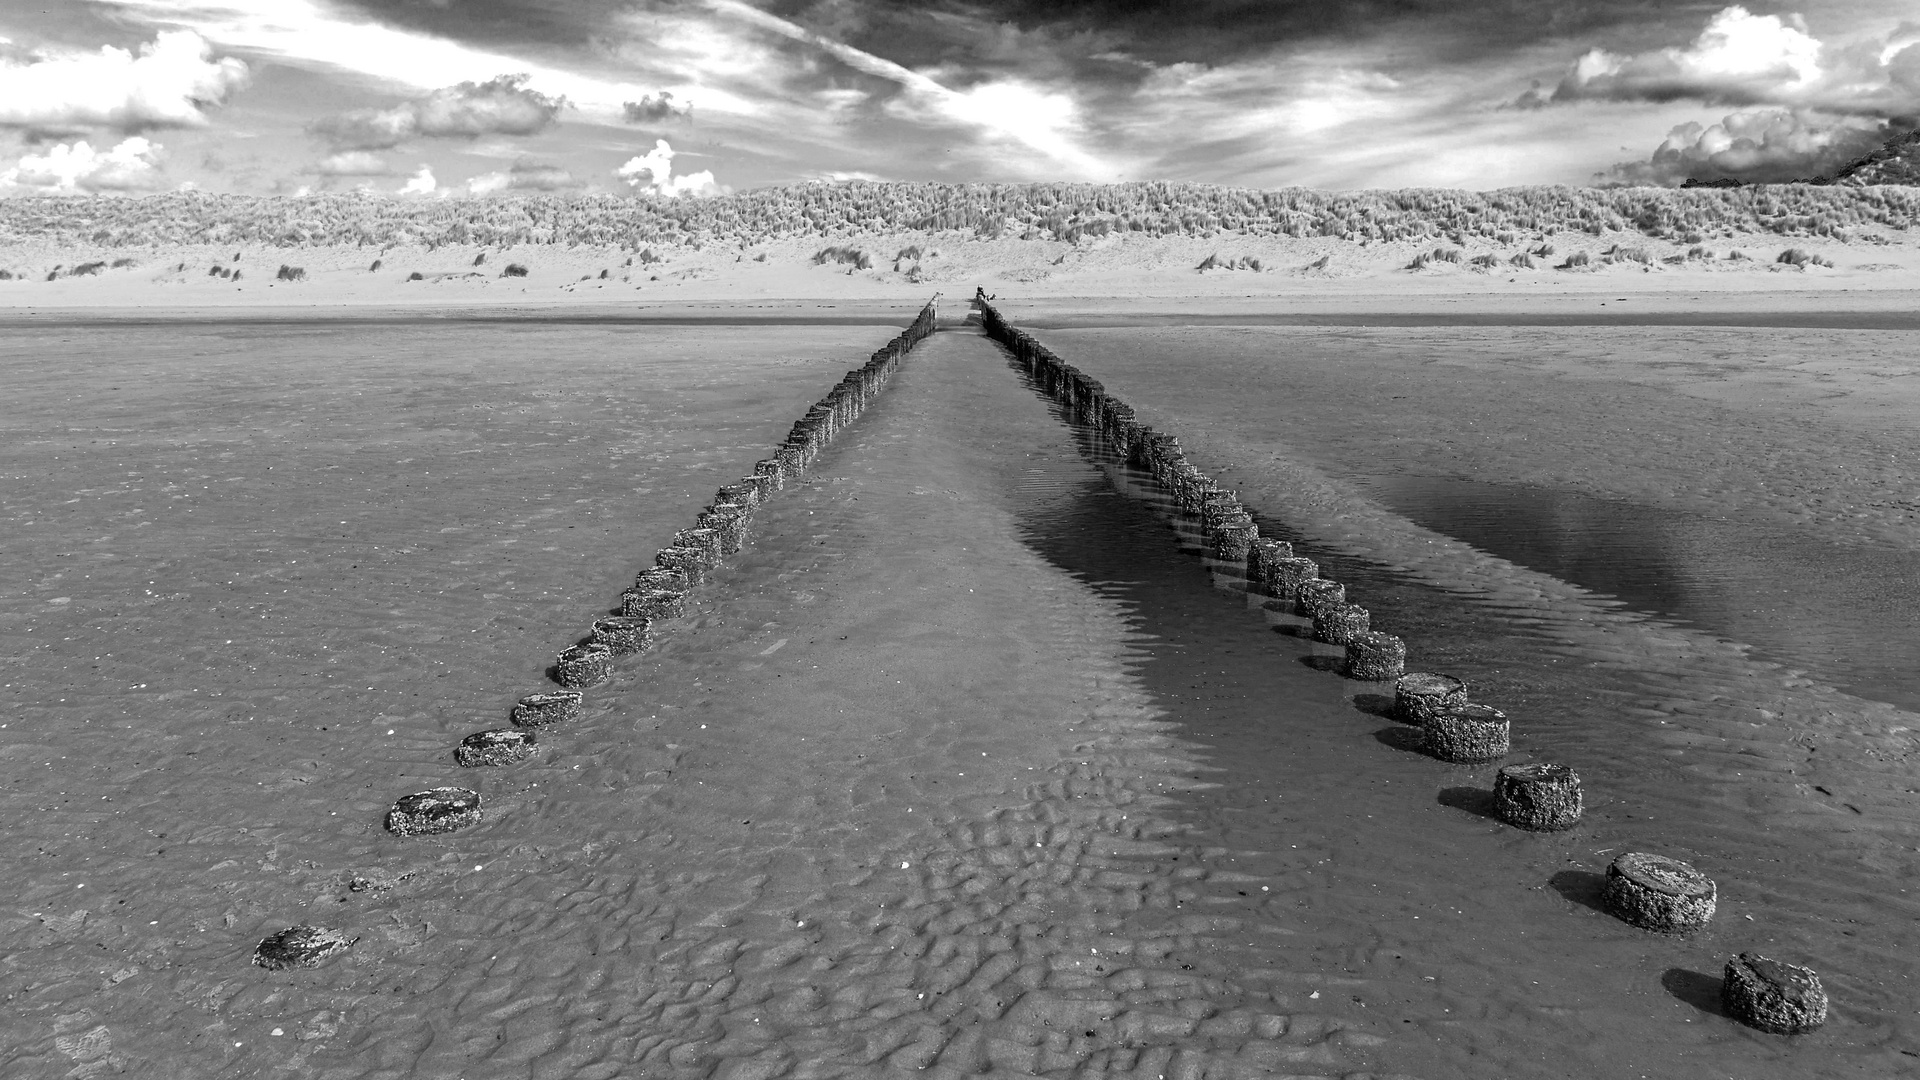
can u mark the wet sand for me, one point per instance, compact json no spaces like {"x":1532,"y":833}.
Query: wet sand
{"x":1795,"y":794}
{"x":961,"y":767}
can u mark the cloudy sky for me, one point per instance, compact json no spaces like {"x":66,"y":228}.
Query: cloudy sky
{"x":436,"y":97}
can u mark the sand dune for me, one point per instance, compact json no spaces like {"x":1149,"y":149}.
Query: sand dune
{"x":1308,"y":274}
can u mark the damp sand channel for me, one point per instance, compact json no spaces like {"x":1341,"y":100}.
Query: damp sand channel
{"x":1447,"y":475}
{"x":962,"y":767}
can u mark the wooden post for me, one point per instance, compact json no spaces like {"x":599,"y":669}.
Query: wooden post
{"x":1541,"y":797}
{"x":1654,"y":892}
{"x":438,"y":810}
{"x":539,"y":710}
{"x":1777,"y":997}
{"x":502,"y":746}
{"x":1468,"y":734}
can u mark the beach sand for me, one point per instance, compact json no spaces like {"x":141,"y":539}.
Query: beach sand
{"x":962,"y":766}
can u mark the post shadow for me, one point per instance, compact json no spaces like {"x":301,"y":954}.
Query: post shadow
{"x":1475,"y":801}
{"x":1582,"y":887}
{"x":1696,"y":988}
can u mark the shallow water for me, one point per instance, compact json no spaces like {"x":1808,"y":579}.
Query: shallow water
{"x":1845,"y":614}
{"x":1483,"y":946}
{"x":1820,"y":320}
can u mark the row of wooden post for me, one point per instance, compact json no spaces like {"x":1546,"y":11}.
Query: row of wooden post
{"x":1650,"y":891}
{"x":659,"y":594}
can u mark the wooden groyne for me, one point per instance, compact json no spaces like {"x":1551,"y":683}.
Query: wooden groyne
{"x":1645,"y":890}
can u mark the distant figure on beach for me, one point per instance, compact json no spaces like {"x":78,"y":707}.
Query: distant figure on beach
{"x":980,"y":293}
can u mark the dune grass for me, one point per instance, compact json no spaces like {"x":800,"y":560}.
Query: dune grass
{"x":1059,"y":212}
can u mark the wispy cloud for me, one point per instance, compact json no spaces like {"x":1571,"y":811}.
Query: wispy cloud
{"x":1042,"y":120}
{"x":1344,"y":93}
{"x":306,"y":33}
{"x":351,"y":163}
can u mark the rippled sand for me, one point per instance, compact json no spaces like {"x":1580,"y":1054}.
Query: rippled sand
{"x":962,"y":768}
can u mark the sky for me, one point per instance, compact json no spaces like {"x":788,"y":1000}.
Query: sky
{"x":687,"y":98}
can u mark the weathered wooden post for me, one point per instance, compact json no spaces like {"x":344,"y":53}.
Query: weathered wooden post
{"x":437,"y":810}
{"x":1776,"y":997}
{"x":583,"y":666}
{"x":502,"y":746}
{"x":1417,"y":695}
{"x":1374,"y":657}
{"x":1542,"y":797}
{"x":1468,"y":734}
{"x":553,"y":707}
{"x":1654,"y":892}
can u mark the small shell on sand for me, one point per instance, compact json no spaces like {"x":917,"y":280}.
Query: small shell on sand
{"x":1654,"y":892}
{"x":1468,"y":734}
{"x":1419,"y":694}
{"x":501,"y":746}
{"x":539,"y":710}
{"x":1374,"y":656}
{"x":1541,"y":796}
{"x":300,"y":947}
{"x":439,"y":810}
{"x":1777,"y":997}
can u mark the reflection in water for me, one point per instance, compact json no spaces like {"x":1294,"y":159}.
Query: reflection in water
{"x":1382,"y":868}
{"x":1843,"y":614}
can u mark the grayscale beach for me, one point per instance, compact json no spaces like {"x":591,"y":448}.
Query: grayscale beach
{"x":964,"y":765}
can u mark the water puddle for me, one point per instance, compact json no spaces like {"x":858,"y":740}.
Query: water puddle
{"x":1381,"y":890}
{"x":1842,"y":614}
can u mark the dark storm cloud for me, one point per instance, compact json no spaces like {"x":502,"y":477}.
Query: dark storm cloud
{"x":1075,"y":32}
{"x":1215,"y":31}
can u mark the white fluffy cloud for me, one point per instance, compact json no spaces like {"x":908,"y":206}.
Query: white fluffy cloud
{"x":66,"y":169}
{"x":1745,"y":59}
{"x":655,"y":170}
{"x":421,"y":183}
{"x":1757,"y":146}
{"x":169,"y":83}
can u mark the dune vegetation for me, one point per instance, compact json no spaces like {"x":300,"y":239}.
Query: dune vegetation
{"x":1056,"y":211}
